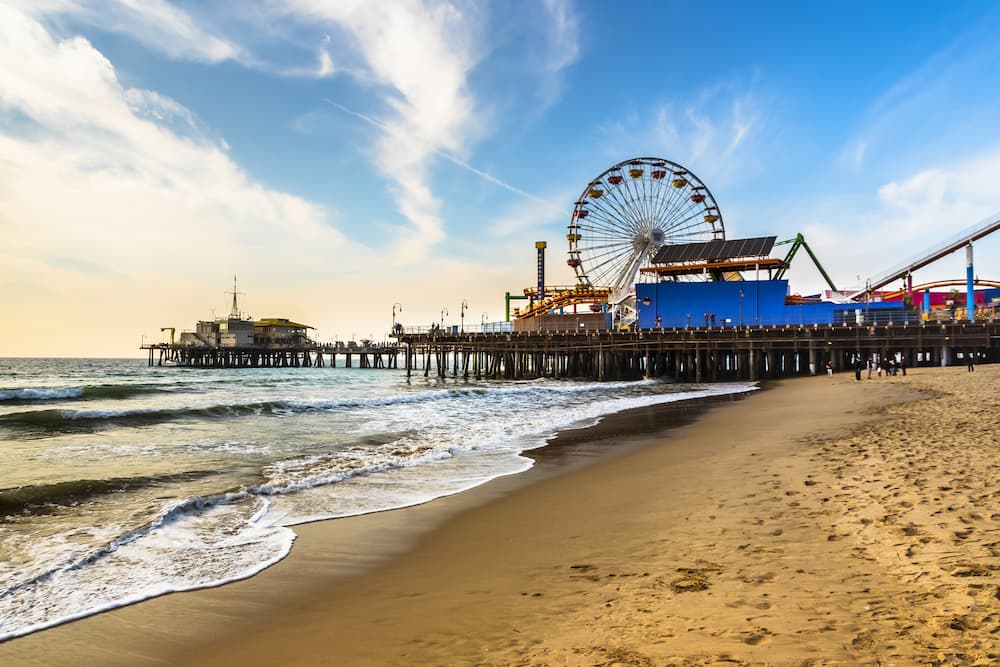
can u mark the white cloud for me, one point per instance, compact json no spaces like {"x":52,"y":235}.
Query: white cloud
{"x":104,"y":205}
{"x":416,"y":56}
{"x":419,"y":58}
{"x":860,"y":148}
{"x":912,"y":215}
{"x":156,"y":24}
{"x":117,"y":204}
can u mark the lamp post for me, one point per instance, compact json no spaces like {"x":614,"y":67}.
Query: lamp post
{"x":741,"y":308}
{"x":868,"y":297}
{"x":444,"y":311}
{"x":483,"y":318}
{"x":465,"y":307}
{"x":395,"y":307}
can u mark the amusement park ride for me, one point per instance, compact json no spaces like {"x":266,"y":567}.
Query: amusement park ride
{"x":650,"y":219}
{"x":619,"y":222}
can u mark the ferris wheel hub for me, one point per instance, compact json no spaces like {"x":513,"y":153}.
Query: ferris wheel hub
{"x":654,"y":236}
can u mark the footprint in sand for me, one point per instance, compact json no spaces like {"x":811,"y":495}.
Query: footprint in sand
{"x":756,"y":636}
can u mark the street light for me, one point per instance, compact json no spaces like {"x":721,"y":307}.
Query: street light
{"x":395,"y":307}
{"x":868,"y":296}
{"x":444,"y":311}
{"x":465,"y":307}
{"x":483,"y":318}
{"x":741,"y":308}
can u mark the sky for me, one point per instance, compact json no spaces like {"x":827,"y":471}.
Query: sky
{"x":348,"y":159}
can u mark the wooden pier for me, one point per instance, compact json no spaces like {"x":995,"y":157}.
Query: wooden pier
{"x":705,"y":354}
{"x":695,"y":354}
{"x":306,"y":356}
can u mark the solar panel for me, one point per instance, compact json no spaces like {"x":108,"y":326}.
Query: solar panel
{"x":694,"y":252}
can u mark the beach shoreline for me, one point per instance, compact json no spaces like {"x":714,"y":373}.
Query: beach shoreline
{"x":697,"y":547}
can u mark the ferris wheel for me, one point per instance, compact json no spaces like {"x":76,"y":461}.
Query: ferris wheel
{"x":628,"y":212}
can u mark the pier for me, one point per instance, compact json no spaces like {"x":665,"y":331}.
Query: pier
{"x":695,"y":354}
{"x":286,"y":356}
{"x":706,"y":354}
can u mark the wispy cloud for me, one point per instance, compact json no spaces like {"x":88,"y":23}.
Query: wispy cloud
{"x":932,"y":109}
{"x":486,"y":176}
{"x":157,"y":24}
{"x":713,"y":133}
{"x":564,"y":47}
{"x":417,"y":58}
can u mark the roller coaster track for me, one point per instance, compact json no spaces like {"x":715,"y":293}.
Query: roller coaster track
{"x":965,"y":237}
{"x":891,"y":296}
{"x":562,"y":299}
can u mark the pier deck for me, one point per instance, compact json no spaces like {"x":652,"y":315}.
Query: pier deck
{"x":301,"y":356}
{"x":697,"y":354}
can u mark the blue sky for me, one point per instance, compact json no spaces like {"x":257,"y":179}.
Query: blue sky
{"x":345,"y":156}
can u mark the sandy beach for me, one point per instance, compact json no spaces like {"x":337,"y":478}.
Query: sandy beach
{"x":821,"y":521}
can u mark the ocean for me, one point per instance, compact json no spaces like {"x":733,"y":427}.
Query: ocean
{"x":120,"y":482}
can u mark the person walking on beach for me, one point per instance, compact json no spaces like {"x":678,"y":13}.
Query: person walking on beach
{"x":902,"y":363}
{"x":858,"y":365}
{"x":970,"y":357}
{"x":829,"y":369}
{"x":871,"y":366}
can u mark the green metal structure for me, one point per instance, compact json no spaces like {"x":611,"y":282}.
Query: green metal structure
{"x":800,"y":242}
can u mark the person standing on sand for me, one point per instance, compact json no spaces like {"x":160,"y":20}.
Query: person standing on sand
{"x":972,"y":361}
{"x":871,"y":367}
{"x":829,"y":369}
{"x":902,"y":364}
{"x":858,"y":365}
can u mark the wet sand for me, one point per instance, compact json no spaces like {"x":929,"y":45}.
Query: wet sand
{"x":822,"y":521}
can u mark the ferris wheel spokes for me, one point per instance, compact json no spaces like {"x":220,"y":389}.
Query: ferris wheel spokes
{"x":628,"y":212}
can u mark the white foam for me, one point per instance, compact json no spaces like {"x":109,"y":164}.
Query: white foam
{"x":217,"y":546}
{"x":41,"y":394}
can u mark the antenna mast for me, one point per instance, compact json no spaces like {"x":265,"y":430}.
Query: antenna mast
{"x":235,"y":314}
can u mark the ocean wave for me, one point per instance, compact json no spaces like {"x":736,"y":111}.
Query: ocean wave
{"x":45,"y":498}
{"x":73,"y":420}
{"x":260,"y":544}
{"x":170,"y":514}
{"x":86,"y":392}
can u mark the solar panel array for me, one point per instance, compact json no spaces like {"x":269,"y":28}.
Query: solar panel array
{"x":696,"y":252}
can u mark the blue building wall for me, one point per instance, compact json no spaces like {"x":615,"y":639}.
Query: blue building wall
{"x":747,"y":302}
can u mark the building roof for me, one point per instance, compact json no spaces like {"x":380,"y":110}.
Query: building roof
{"x":280,"y":322}
{"x":714,"y":250}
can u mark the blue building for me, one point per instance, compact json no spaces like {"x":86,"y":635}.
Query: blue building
{"x":733,"y":303}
